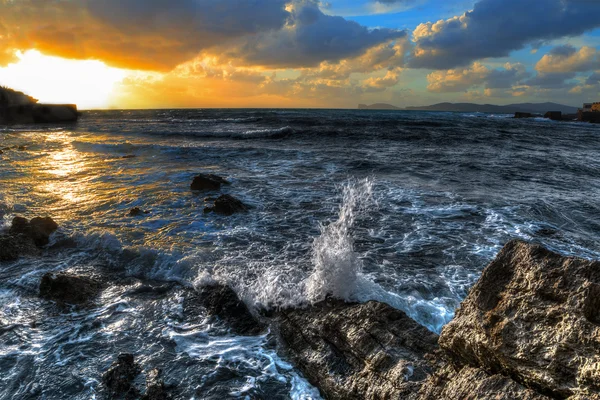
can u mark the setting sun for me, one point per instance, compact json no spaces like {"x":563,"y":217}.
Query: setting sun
{"x":89,"y":84}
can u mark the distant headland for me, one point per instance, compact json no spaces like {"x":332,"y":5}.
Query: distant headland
{"x":532,"y":108}
{"x":19,"y":108}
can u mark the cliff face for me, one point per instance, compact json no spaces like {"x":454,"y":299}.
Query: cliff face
{"x":529,"y":329}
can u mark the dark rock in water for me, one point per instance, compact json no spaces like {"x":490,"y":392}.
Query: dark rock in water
{"x":38,"y":229}
{"x":69,"y":289}
{"x":13,"y":246}
{"x":227,"y":205}
{"x":221,"y":301}
{"x":129,"y":156}
{"x":534,"y":315}
{"x":24,"y":237}
{"x":41,"y":229}
{"x":1,"y":152}
{"x":155,"y":387}
{"x":359,"y":351}
{"x":448,"y":383}
{"x":547,"y":232}
{"x":21,"y":148}
{"x":119,"y":378}
{"x":136,"y":212}
{"x":207,"y":182}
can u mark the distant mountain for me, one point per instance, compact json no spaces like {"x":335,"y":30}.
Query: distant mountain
{"x":534,"y":108}
{"x":378,"y":106}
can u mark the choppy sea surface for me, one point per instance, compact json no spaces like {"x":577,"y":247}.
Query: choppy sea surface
{"x":401,"y":207}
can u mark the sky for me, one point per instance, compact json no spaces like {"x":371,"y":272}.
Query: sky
{"x":300,"y":53}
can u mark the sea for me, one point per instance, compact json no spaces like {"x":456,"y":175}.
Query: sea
{"x":403,"y":207}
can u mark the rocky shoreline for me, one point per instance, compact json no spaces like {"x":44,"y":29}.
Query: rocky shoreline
{"x":528,"y":329}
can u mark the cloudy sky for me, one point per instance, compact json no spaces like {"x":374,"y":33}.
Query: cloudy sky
{"x":300,"y":53}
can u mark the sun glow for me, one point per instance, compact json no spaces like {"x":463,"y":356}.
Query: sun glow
{"x":89,"y":84}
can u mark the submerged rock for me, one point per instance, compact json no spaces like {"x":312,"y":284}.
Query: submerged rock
{"x":136,"y":212}
{"x":227,"y":205}
{"x":221,"y":301}
{"x":119,"y":379}
{"x":534,"y":315}
{"x":207,"y":182}
{"x":69,"y":289}
{"x":359,"y":351}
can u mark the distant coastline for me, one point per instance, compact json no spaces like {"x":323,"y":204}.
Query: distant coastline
{"x":534,"y":108}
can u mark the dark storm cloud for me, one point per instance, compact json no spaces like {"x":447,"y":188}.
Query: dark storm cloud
{"x":557,"y":80}
{"x":494,"y":28}
{"x":161,"y":34}
{"x":311,"y":37}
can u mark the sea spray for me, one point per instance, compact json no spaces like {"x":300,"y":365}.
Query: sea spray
{"x":336,"y":265}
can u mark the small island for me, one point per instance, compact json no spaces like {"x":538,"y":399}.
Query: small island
{"x":19,"y":108}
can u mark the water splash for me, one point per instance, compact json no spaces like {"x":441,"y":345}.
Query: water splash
{"x":336,"y":266}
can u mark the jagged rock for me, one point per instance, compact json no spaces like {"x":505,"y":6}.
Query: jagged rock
{"x":468,"y":383}
{"x":38,"y":229}
{"x":119,"y":378}
{"x":227,"y":205}
{"x":69,"y":289}
{"x":155,"y":387}
{"x":221,"y":301}
{"x":207,"y":182}
{"x":359,"y":351}
{"x":534,"y":315}
{"x":136,"y":212}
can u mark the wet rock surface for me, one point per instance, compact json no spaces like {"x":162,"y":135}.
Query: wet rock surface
{"x":119,"y":379}
{"x":69,"y":289}
{"x":227,"y":205}
{"x":155,"y":387}
{"x":359,"y":351}
{"x":25,"y":237}
{"x":222,"y":302}
{"x":450,"y":383}
{"x":529,"y":329}
{"x":534,"y":315}
{"x":208,"y":182}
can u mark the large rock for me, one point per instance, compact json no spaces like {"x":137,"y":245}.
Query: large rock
{"x":534,"y":315}
{"x":207,"y":182}
{"x":38,"y":229}
{"x":359,"y":351}
{"x":227,"y":205}
{"x":119,"y":379}
{"x":450,"y":383}
{"x":12,"y":246}
{"x":222,"y":302}
{"x":69,"y":289}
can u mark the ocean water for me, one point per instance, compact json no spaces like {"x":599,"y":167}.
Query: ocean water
{"x":401,"y":207}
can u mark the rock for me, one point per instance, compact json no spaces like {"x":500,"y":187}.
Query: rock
{"x":523,"y":115}
{"x":359,"y":351}
{"x":129,"y":156}
{"x":554,"y":115}
{"x":38,"y":229}
{"x":136,"y":212}
{"x":221,"y":301}
{"x":155,"y":387}
{"x":1,"y":152}
{"x":21,"y":148}
{"x":41,"y":229}
{"x":69,"y":289}
{"x":13,"y":246}
{"x":227,"y":205}
{"x":119,"y":378}
{"x":534,"y":315}
{"x":468,"y":383}
{"x":207,"y":182}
